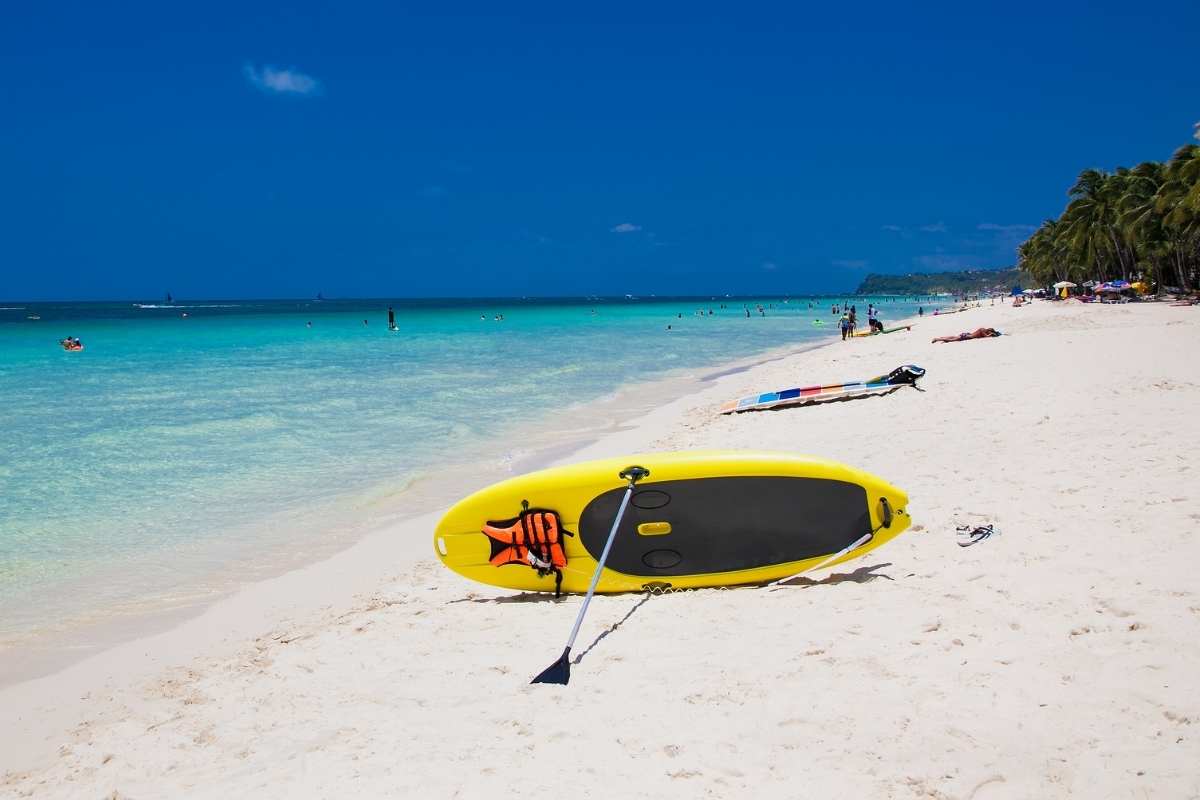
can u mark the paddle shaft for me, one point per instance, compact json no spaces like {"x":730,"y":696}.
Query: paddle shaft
{"x":612,"y":534}
{"x":852,"y":546}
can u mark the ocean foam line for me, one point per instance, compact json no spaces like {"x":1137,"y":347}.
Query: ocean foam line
{"x":206,"y":305}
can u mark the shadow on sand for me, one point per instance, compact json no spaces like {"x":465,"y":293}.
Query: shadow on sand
{"x":523,"y":597}
{"x":860,"y":575}
{"x":612,"y":628}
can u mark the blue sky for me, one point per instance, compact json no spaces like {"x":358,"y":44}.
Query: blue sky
{"x":235,"y":150}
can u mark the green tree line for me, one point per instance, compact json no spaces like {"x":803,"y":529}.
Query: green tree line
{"x":1134,"y":223}
{"x":919,"y":283}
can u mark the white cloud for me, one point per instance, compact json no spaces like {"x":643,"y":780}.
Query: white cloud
{"x":894,"y":228}
{"x":937,"y":227}
{"x":625,"y":227}
{"x":1198,"y":130}
{"x":281,"y":81}
{"x":991,"y":226}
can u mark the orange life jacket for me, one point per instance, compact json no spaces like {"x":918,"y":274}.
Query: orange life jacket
{"x":532,"y":538}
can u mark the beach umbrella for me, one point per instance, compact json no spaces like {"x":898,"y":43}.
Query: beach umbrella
{"x":1016,"y":290}
{"x":1064,"y":285}
{"x":1108,"y":288}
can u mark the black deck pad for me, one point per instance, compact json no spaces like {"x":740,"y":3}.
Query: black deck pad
{"x":726,"y":524}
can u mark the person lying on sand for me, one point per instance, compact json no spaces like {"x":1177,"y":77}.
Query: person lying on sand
{"x":978,"y":333}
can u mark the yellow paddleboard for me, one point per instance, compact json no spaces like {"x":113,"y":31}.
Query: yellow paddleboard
{"x":709,"y":518}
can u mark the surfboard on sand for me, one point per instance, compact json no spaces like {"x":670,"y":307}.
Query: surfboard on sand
{"x":700,"y":519}
{"x":864,"y":334}
{"x":907,"y":375}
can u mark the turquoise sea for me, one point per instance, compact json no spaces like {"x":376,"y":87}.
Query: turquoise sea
{"x":174,"y":447}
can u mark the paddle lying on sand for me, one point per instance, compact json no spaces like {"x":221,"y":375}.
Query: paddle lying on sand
{"x":857,"y":543}
{"x":907,"y":375}
{"x":560,"y":671}
{"x":885,"y":522}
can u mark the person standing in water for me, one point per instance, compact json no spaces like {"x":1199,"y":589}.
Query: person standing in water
{"x":392,"y":319}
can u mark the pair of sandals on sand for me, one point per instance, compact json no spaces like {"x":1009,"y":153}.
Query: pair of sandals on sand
{"x":969,"y":536}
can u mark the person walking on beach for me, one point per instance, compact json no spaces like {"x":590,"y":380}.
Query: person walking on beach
{"x":844,"y":322}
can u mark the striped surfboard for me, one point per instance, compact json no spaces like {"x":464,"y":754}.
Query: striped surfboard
{"x":907,"y":375}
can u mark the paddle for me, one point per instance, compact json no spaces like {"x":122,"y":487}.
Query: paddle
{"x":560,"y":671}
{"x":886,"y":514}
{"x":859,"y":542}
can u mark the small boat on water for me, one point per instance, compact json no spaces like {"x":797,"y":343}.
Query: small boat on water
{"x":71,"y":345}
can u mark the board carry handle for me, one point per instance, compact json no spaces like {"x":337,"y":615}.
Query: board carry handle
{"x":886,"y":512}
{"x":560,"y":671}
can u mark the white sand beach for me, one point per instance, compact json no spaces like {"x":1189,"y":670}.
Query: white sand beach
{"x":1058,"y":659}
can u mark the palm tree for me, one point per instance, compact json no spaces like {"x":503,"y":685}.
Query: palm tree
{"x":1146,"y":218}
{"x":1045,"y":256}
{"x":1179,"y":204}
{"x":1140,"y":220}
{"x":1092,"y":218}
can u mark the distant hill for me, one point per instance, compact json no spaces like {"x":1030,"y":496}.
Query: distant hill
{"x":964,"y":282}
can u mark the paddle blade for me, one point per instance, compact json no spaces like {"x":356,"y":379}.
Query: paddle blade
{"x":559,"y":672}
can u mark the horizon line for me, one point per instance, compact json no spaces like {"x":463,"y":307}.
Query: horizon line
{"x":459,"y":298}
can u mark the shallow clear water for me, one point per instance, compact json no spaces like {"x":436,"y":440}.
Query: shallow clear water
{"x":169,"y":437}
